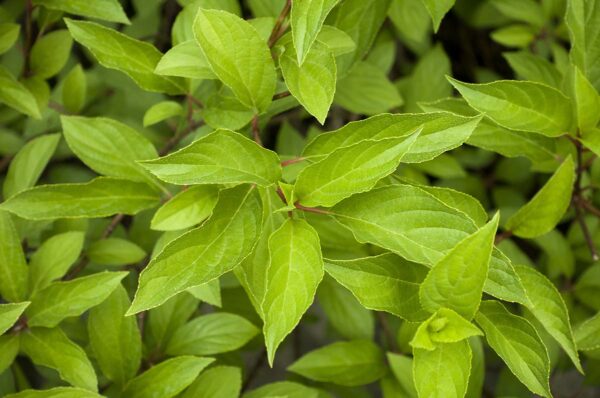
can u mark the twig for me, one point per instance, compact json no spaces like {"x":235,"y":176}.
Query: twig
{"x":311,"y":209}
{"x":57,"y":107}
{"x":281,"y":95}
{"x":589,"y":207}
{"x":20,"y":325}
{"x":172,"y":143}
{"x":110,"y":228}
{"x":578,"y":203}
{"x":256,"y":130}
{"x":196,"y":101}
{"x":77,"y":269}
{"x":279,"y":27}
{"x":281,"y":195}
{"x":586,"y":233}
{"x":116,"y":220}
{"x":501,"y":236}
{"x":28,"y":38}
{"x":292,"y":161}
{"x":254,"y":370}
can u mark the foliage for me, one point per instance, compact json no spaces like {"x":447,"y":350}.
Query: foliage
{"x":299,"y":198}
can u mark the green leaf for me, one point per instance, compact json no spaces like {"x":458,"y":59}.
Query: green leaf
{"x":238,"y":56}
{"x":266,"y":8}
{"x":10,"y":142}
{"x":115,"y":339}
{"x":587,"y":334}
{"x":582,"y":19}
{"x":548,"y":306}
{"x":115,"y":252}
{"x":204,"y":253}
{"x":535,"y":68}
{"x":162,"y":111}
{"x":16,"y":95}
{"x":518,"y":344}
{"x":528,"y":11}
{"x":114,"y":50}
{"x":222,"y":157}
{"x":61,"y":300}
{"x":444,"y":326}
{"x":401,"y":367}
{"x":560,"y":259}
{"x":350,"y":170}
{"x":168,"y":378}
{"x":251,"y":272}
{"x":503,"y":282}
{"x":185,"y":60}
{"x":586,"y":100}
{"x":10,"y":313}
{"x":209,"y":292}
{"x":411,"y":222}
{"x":307,"y":18}
{"x":412,"y":21}
{"x":382,"y":283}
{"x":546,"y":208}
{"x":211,"y":334}
{"x":312,"y":82}
{"x":516,"y":35}
{"x":29,"y":164}
{"x":350,"y":363}
{"x":456,"y":281}
{"x":9,"y":348}
{"x":53,"y":349}
{"x":183,"y":28}
{"x":437,"y":9}
{"x":57,"y":392}
{"x":74,"y":90}
{"x":109,"y":147}
{"x":443,"y":372}
{"x":9,"y":33}
{"x":223,"y":110}
{"x":362,"y":21}
{"x":427,"y":81}
{"x":14,"y":274}
{"x":336,"y":40}
{"x":406,"y":220}
{"x":216,"y":382}
{"x":367,"y":90}
{"x":53,"y":258}
{"x":344,"y":313}
{"x":441,"y":132}
{"x":163,"y":321}
{"x":591,"y":140}
{"x":477,"y":377}
{"x":488,"y":135}
{"x":294,"y":272}
{"x":40,"y":90}
{"x":460,"y":201}
{"x":509,"y":143}
{"x":107,"y":10}
{"x":186,"y":209}
{"x":50,"y":53}
{"x":286,"y":389}
{"x":520,"y":105}
{"x":101,"y":197}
